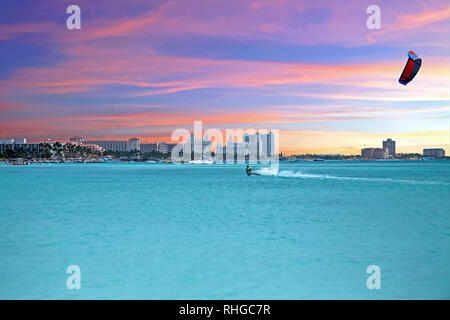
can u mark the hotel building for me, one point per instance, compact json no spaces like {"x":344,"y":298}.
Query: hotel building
{"x":110,"y":145}
{"x":374,"y":153}
{"x":133,"y":144}
{"x":389,"y":144}
{"x":148,"y":147}
{"x":437,"y":153}
{"x":18,"y":144}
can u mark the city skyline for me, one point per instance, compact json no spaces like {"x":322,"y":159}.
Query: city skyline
{"x":311,"y":69}
{"x":387,"y":151}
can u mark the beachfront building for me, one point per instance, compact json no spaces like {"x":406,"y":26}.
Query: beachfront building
{"x":374,"y":153}
{"x":251,"y":145}
{"x":203,"y":144}
{"x":264,"y":143}
{"x":133,"y":144}
{"x":389,"y":144}
{"x":13,"y":140}
{"x":437,"y":153}
{"x":148,"y":147}
{"x":115,"y":145}
{"x":110,"y":145}
{"x":161,"y":147}
{"x":157,"y":147}
{"x":6,"y":141}
{"x":76,"y":140}
{"x":268,"y":143}
{"x":170,"y":147}
{"x":20,"y":140}
{"x":93,"y":147}
{"x":206,"y":144}
{"x":18,"y":144}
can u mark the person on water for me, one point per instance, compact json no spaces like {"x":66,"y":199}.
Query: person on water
{"x":249,"y":170}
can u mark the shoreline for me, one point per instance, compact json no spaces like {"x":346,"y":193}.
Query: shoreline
{"x":16,"y":162}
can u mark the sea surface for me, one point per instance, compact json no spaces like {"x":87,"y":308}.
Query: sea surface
{"x":306,"y":230}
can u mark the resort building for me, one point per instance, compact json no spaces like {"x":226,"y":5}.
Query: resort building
{"x":122,"y":146}
{"x":13,"y":140}
{"x":20,"y":140}
{"x":18,"y":144}
{"x":161,"y":147}
{"x":170,"y":147}
{"x":93,"y":147}
{"x":148,"y":147}
{"x":110,"y":145}
{"x":77,"y":140}
{"x":374,"y":153}
{"x":133,"y":144}
{"x":437,"y":153}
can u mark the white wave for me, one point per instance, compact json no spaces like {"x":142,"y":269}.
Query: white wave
{"x":269,"y":171}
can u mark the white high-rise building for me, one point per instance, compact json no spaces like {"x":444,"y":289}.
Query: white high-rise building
{"x":265,"y":143}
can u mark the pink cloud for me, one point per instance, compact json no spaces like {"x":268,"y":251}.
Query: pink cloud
{"x":10,"y":31}
{"x":88,"y":72}
{"x":286,"y":21}
{"x":409,"y":22}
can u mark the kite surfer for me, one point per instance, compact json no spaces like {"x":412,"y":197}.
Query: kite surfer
{"x":249,"y":172}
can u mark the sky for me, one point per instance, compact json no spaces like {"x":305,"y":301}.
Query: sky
{"x":311,"y":69}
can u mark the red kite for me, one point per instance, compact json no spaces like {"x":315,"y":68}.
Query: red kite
{"x":412,"y":67}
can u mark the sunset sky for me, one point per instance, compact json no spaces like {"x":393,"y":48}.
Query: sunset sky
{"x":311,"y":69}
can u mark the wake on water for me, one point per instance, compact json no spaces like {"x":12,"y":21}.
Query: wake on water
{"x":276,"y":172}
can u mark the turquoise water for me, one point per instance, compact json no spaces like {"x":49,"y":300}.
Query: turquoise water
{"x":150,"y":231}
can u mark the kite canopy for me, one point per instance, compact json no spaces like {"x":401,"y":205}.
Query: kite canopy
{"x":412,"y":67}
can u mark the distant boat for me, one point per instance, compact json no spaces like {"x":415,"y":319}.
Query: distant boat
{"x":428,"y":158}
{"x":318,"y":160}
{"x":150,"y":161}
